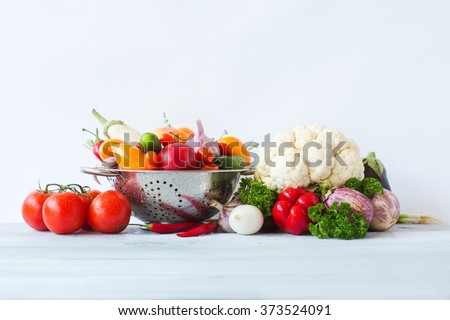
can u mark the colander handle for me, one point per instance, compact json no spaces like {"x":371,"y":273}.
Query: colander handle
{"x":99,"y":172}
{"x":249,"y":172}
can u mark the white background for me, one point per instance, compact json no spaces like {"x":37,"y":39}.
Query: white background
{"x":376,"y":70}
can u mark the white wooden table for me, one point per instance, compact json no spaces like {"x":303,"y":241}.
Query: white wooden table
{"x":408,"y":262}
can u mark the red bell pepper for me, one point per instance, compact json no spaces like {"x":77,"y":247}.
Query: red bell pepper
{"x":290,"y":212}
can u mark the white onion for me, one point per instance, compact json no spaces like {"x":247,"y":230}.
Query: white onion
{"x":246,"y":219}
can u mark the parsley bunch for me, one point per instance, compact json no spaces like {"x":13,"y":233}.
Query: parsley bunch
{"x":338,"y":221}
{"x":370,"y":187}
{"x":257,"y":194}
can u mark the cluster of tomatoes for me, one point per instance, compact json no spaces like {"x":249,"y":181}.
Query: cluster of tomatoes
{"x":67,"y":209}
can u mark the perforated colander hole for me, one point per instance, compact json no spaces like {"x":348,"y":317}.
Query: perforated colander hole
{"x":176,"y":190}
{"x":157,"y":181}
{"x":158,"y":188}
{"x":180,"y":200}
{"x":179,"y":195}
{"x":179,"y":206}
{"x":146,"y":185}
{"x":159,"y":194}
{"x":152,"y":189}
{"x":151,"y":182}
{"x":171,"y":185}
{"x":164,"y":182}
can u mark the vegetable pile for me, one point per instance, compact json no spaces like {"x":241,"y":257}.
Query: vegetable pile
{"x":329,"y":194}
{"x":165,"y":148}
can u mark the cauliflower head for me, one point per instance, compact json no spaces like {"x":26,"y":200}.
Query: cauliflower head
{"x":308,"y":155}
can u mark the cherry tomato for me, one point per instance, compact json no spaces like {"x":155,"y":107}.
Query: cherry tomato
{"x":109,"y":212}
{"x":205,"y":155}
{"x":64,"y":213}
{"x":166,"y":138}
{"x":223,"y":147}
{"x":87,"y":199}
{"x":32,"y":210}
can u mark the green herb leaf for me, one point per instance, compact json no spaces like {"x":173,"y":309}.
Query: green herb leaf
{"x":370,"y":187}
{"x":257,"y":194}
{"x":338,"y":221}
{"x":354,"y":184}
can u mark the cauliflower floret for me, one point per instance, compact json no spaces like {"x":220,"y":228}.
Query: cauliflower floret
{"x":283,"y":139}
{"x":289,"y":170}
{"x":341,"y":174}
{"x":309,"y":154}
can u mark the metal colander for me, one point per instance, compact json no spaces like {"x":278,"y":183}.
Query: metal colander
{"x":172,"y":196}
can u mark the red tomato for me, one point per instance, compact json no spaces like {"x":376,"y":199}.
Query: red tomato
{"x":205,"y":155}
{"x":32,"y":210}
{"x":87,"y":199}
{"x":223,"y":147}
{"x":166,"y":138}
{"x":109,"y":212}
{"x":64,"y":213}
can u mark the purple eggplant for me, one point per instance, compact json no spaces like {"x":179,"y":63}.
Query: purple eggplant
{"x":387,"y":211}
{"x":374,"y":168}
{"x":358,"y":202}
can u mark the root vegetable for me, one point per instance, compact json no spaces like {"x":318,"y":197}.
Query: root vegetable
{"x":386,"y":211}
{"x":358,"y":202}
{"x":224,"y":213}
{"x":246,"y":219}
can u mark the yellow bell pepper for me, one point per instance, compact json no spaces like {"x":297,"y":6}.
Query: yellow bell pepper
{"x":105,"y":150}
{"x":129,"y":157}
{"x":235,"y":147}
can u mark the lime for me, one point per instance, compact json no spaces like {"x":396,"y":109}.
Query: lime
{"x":150,"y":142}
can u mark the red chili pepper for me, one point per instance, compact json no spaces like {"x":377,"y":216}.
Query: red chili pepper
{"x":290,"y":212}
{"x":96,"y":149}
{"x":164,"y":228}
{"x":205,"y":228}
{"x":94,"y":143}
